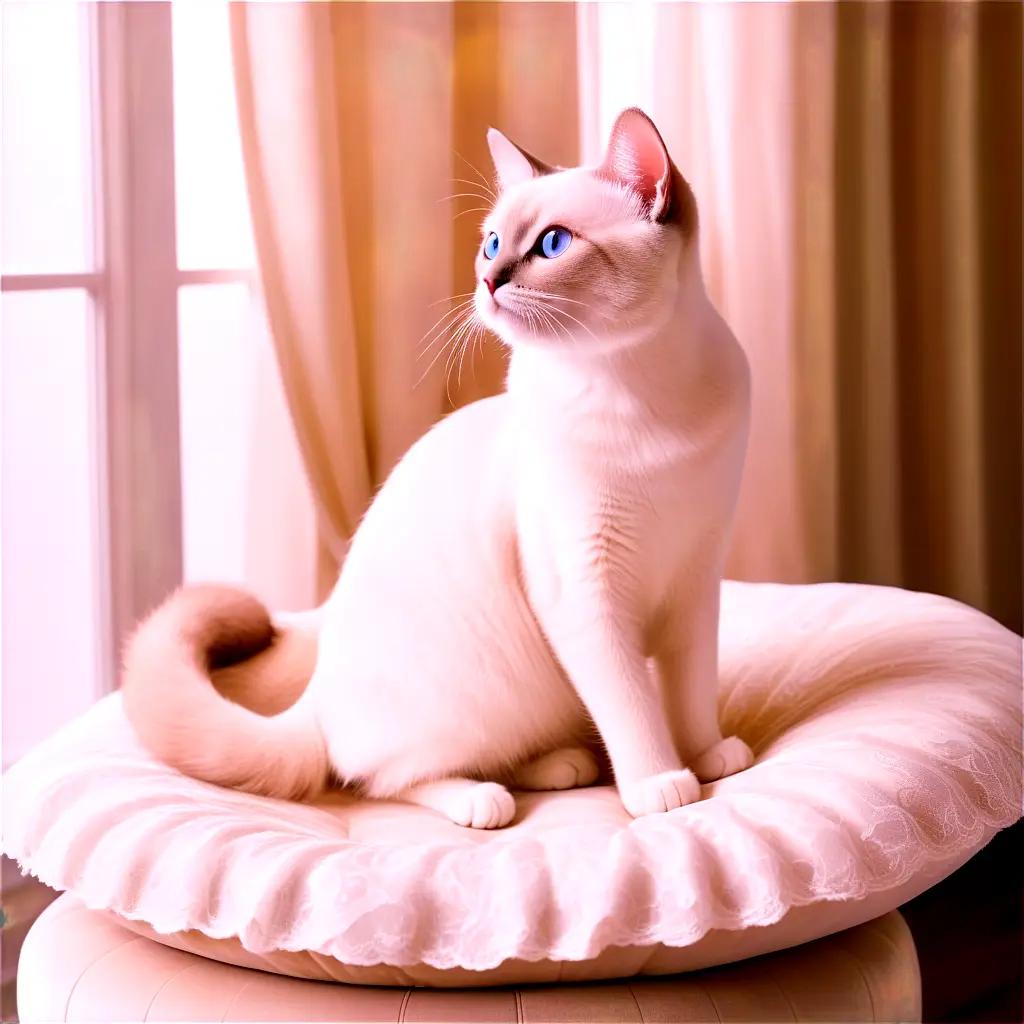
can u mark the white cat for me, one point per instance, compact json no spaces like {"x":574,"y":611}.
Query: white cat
{"x":538,"y":564}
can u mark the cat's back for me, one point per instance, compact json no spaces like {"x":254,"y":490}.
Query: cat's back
{"x":472,"y":435}
{"x":456,"y":465}
{"x":449,"y":497}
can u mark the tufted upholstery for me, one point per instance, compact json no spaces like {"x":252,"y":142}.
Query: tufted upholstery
{"x":81,"y":965}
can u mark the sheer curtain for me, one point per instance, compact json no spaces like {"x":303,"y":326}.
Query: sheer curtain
{"x":858,"y":170}
{"x":358,"y":122}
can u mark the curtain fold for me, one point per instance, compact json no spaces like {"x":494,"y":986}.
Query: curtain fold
{"x":357,"y":119}
{"x":858,"y":167}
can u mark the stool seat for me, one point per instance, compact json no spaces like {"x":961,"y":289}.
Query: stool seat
{"x":83,"y":965}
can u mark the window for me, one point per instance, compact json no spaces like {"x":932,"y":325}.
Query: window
{"x":144,"y":429}
{"x":247,"y":511}
{"x":54,"y":629}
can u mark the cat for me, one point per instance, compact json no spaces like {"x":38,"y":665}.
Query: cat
{"x":539,"y":564}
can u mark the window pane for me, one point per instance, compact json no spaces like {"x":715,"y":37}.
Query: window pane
{"x":46,"y":205}
{"x":212,"y":208}
{"x":51,"y":625}
{"x":247,"y":512}
{"x":211,"y":373}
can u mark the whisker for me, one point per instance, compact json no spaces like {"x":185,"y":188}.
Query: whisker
{"x":453,"y":328}
{"x":571,"y":317}
{"x":478,"y":340}
{"x":555,"y":323}
{"x":523,"y":310}
{"x":476,"y":184}
{"x":548,"y":318}
{"x":455,"y":316}
{"x":565,"y":298}
{"x":559,"y":298}
{"x":462,"y":358}
{"x":461,"y":195}
{"x":461,"y":348}
{"x":460,"y":333}
{"x":472,"y":338}
{"x":426,"y":372}
{"x":449,"y":365}
{"x":551,"y":311}
{"x":474,"y":169}
{"x":466,"y":325}
{"x":449,"y":298}
{"x":475,"y":209}
{"x":531,"y":311}
{"x":444,"y":336}
{"x":463,"y":300}
{"x":437,"y":355}
{"x":565,"y":327}
{"x":440,"y":326}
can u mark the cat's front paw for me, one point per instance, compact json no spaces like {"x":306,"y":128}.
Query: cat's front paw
{"x":726,"y":757}
{"x":659,"y":793}
{"x":485,"y":805}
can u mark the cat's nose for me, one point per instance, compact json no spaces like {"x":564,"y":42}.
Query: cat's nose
{"x":496,"y":278}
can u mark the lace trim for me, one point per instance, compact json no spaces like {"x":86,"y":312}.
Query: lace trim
{"x":858,"y":789}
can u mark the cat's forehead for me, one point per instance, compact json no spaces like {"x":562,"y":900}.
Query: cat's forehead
{"x":576,"y":199}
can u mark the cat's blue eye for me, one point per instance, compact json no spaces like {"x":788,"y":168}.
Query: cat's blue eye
{"x":491,"y":246}
{"x":555,"y":242}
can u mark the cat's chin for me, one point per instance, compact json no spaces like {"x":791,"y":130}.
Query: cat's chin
{"x":515,"y":331}
{"x":518,"y":330}
{"x":505,"y":324}
{"x":512,"y":328}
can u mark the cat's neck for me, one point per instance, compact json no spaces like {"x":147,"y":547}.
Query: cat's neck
{"x":659,"y":365}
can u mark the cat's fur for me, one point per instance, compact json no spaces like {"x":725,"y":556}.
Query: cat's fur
{"x":539,"y":563}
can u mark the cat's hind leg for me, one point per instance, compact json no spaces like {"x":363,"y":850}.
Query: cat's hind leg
{"x":466,"y":802}
{"x":565,"y":768}
{"x":726,"y":757}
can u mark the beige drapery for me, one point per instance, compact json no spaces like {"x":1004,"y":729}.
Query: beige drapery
{"x":858,"y":167}
{"x":858,"y":170}
{"x":357,"y":119}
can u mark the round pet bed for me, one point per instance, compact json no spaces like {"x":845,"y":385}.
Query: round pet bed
{"x":886,"y":728}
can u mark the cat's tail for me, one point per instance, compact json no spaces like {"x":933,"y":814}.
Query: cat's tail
{"x":179,"y":715}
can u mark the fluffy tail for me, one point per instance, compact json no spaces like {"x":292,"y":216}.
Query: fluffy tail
{"x":179,"y":715}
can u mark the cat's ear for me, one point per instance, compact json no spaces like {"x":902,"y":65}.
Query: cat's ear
{"x":514,"y":165}
{"x":637,"y":157}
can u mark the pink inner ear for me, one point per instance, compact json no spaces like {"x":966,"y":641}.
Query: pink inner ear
{"x":636,"y":155}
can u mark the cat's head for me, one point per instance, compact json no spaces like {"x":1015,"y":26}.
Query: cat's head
{"x":585,"y":256}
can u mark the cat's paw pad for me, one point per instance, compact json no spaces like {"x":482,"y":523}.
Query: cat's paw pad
{"x":561,"y":769}
{"x":485,"y":805}
{"x":659,"y":793}
{"x":726,"y":757}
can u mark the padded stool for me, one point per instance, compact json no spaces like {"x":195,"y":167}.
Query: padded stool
{"x":83,"y":965}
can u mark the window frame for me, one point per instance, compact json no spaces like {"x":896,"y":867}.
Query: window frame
{"x":133,"y":287}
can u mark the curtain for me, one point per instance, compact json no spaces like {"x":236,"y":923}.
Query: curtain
{"x":358,"y":121}
{"x":858,"y":170}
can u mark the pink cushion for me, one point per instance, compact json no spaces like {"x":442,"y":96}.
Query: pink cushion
{"x":78,"y":965}
{"x":886,"y":726}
